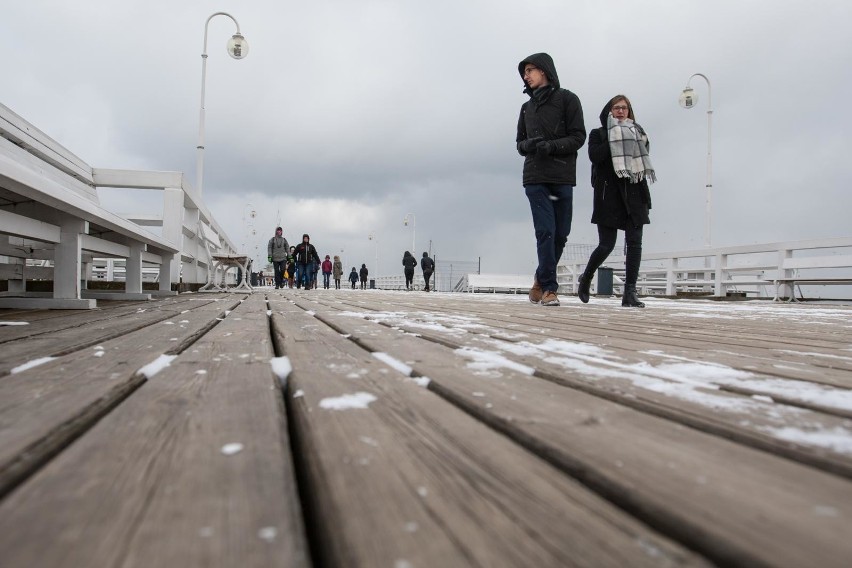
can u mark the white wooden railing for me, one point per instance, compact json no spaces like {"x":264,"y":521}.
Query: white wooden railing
{"x":767,"y":270}
{"x":53,"y":226}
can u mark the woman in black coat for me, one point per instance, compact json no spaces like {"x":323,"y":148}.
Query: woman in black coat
{"x":621,"y":169}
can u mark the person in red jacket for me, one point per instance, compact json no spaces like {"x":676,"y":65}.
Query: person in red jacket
{"x":326,"y":271}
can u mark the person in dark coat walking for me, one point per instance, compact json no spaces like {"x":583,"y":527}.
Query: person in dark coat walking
{"x":550,"y":132}
{"x":307,"y":258}
{"x":364,"y":273}
{"x":428,"y":267}
{"x":353,"y":277}
{"x":621,"y":170}
{"x":409,"y":263}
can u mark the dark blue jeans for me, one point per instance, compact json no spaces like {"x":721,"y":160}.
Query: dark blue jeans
{"x":552,"y":206}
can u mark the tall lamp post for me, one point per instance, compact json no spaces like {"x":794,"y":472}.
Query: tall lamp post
{"x":375,"y":238}
{"x":413,"y":230}
{"x":688,"y":100}
{"x":238,"y":49}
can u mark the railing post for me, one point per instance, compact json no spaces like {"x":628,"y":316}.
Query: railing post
{"x":671,"y":274}
{"x":133,"y":269}
{"x":786,"y":289}
{"x":720,"y":289}
{"x":173,"y":213}
{"x":67,"y":261}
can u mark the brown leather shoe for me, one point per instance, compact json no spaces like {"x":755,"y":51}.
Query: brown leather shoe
{"x":550,"y":299}
{"x":536,"y":292}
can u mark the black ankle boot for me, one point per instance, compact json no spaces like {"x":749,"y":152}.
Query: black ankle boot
{"x":585,"y":283}
{"x":629,"y":299}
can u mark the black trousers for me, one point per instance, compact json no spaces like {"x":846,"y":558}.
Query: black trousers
{"x":606,"y":242}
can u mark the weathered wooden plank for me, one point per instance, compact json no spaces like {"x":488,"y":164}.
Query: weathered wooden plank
{"x":45,"y":341}
{"x":411,"y":481}
{"x":149,"y":485}
{"x":612,"y":325}
{"x":45,"y":408}
{"x":769,"y":374}
{"x":738,"y":506}
{"x":49,"y":321}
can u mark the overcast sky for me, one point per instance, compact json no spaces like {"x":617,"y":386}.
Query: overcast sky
{"x":348,"y":114}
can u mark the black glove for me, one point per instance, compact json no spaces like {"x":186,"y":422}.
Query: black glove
{"x":544,"y":148}
{"x":528,"y":146}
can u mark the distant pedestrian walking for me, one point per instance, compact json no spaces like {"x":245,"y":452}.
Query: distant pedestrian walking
{"x":307,"y":258}
{"x":428,"y":267}
{"x":277,"y":255}
{"x":409,"y":263}
{"x":550,"y":131}
{"x":291,"y":268}
{"x":326,"y":272}
{"x":621,"y":172}
{"x":353,"y":277}
{"x":364,"y":273}
{"x":337,"y":271}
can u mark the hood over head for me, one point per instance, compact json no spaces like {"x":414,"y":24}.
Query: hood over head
{"x":544,"y":62}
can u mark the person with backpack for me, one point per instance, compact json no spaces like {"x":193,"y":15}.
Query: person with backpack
{"x":277,"y":255}
{"x":550,"y":132}
{"x":428,"y":267}
{"x":621,"y":172}
{"x":409,"y":263}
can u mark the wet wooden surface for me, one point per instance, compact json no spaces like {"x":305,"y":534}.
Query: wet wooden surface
{"x":370,"y":428}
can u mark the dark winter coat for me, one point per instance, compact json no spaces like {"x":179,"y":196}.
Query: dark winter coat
{"x":353,"y":276}
{"x":306,"y":253}
{"x":409,"y":262}
{"x":427,"y":264}
{"x":364,"y":273}
{"x":618,"y":203}
{"x":554,"y":114}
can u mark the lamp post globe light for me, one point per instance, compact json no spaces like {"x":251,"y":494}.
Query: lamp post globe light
{"x":237,"y":48}
{"x":413,"y":230}
{"x":688,"y":99}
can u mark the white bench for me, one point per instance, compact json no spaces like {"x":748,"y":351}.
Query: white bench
{"x":49,"y":210}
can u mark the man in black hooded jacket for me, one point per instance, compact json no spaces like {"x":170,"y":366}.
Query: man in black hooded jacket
{"x":550,"y":131}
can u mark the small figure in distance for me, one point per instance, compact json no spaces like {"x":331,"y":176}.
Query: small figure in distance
{"x":353,"y":277}
{"x":409,"y":263}
{"x":326,"y":272}
{"x":337,"y":271}
{"x":277,"y":255}
{"x":364,"y":273}
{"x":428,"y":267}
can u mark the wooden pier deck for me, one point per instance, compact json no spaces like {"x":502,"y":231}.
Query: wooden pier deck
{"x":391,"y":429}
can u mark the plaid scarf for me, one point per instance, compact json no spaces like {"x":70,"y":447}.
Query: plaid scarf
{"x":628,"y":144}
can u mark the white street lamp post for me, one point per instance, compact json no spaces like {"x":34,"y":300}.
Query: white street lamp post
{"x":687,"y":100}
{"x":238,"y":49}
{"x":413,"y":231}
{"x":249,"y":232}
